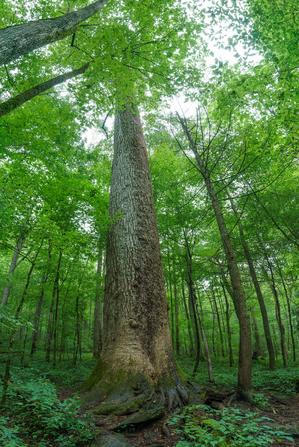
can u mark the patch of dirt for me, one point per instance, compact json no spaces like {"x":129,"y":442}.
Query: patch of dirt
{"x":154,"y":434}
{"x":285,"y":412}
{"x":65,"y":393}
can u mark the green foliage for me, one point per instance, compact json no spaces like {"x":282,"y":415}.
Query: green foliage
{"x":35,"y":411}
{"x":260,"y":400}
{"x":202,"y":426}
{"x":9,"y":435}
{"x":8,"y":320}
{"x":281,"y":380}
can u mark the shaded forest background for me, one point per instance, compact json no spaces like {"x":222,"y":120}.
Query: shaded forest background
{"x":224,"y":174}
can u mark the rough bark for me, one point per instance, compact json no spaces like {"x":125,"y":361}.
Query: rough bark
{"x":18,"y":100}
{"x":18,"y":40}
{"x":137,"y":352}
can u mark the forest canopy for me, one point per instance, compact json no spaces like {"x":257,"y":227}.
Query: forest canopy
{"x":149,"y":223}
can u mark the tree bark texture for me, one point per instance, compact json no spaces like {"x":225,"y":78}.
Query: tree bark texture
{"x":136,"y":338}
{"x":18,"y":100}
{"x":18,"y":40}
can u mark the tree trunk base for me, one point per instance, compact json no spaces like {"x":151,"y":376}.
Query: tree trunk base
{"x":133,"y":395}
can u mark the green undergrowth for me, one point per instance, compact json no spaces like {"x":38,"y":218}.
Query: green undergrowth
{"x":33,"y":415}
{"x":281,"y":380}
{"x":201,"y":426}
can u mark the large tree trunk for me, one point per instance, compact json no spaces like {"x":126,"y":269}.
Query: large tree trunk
{"x":18,"y":100}
{"x":18,"y":40}
{"x":137,"y":352}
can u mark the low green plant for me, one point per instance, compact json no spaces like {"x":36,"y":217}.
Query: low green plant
{"x":33,"y":406}
{"x":201,"y":426}
{"x":282,"y":380}
{"x":261,"y":401}
{"x":9,"y":435}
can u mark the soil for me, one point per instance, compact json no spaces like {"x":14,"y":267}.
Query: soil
{"x":285,"y":413}
{"x":283,"y":410}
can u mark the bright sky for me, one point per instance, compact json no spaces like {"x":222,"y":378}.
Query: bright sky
{"x":180,"y":103}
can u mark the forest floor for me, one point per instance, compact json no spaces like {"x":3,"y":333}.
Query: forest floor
{"x":213,"y":418}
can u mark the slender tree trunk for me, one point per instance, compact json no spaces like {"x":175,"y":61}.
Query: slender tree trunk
{"x":228,"y":328}
{"x":25,"y":291}
{"x":257,"y":346}
{"x":223,"y":321}
{"x":17,"y":101}
{"x":56,"y":308}
{"x":169,"y":289}
{"x":98,"y":317}
{"x":191,"y":345}
{"x":24,"y":346}
{"x":218,"y":322}
{"x":50,"y":327}
{"x":37,"y":316}
{"x":39,"y":306}
{"x":63,"y":333}
{"x":288,"y":301}
{"x":259,"y":294}
{"x":18,"y":40}
{"x":272,"y":284}
{"x":245,"y":350}
{"x":192,"y":305}
{"x":137,"y":346}
{"x":77,"y":339}
{"x":18,"y":311}
{"x":213,"y":327}
{"x":206,"y":347}
{"x":19,"y":244}
{"x":176,"y":312}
